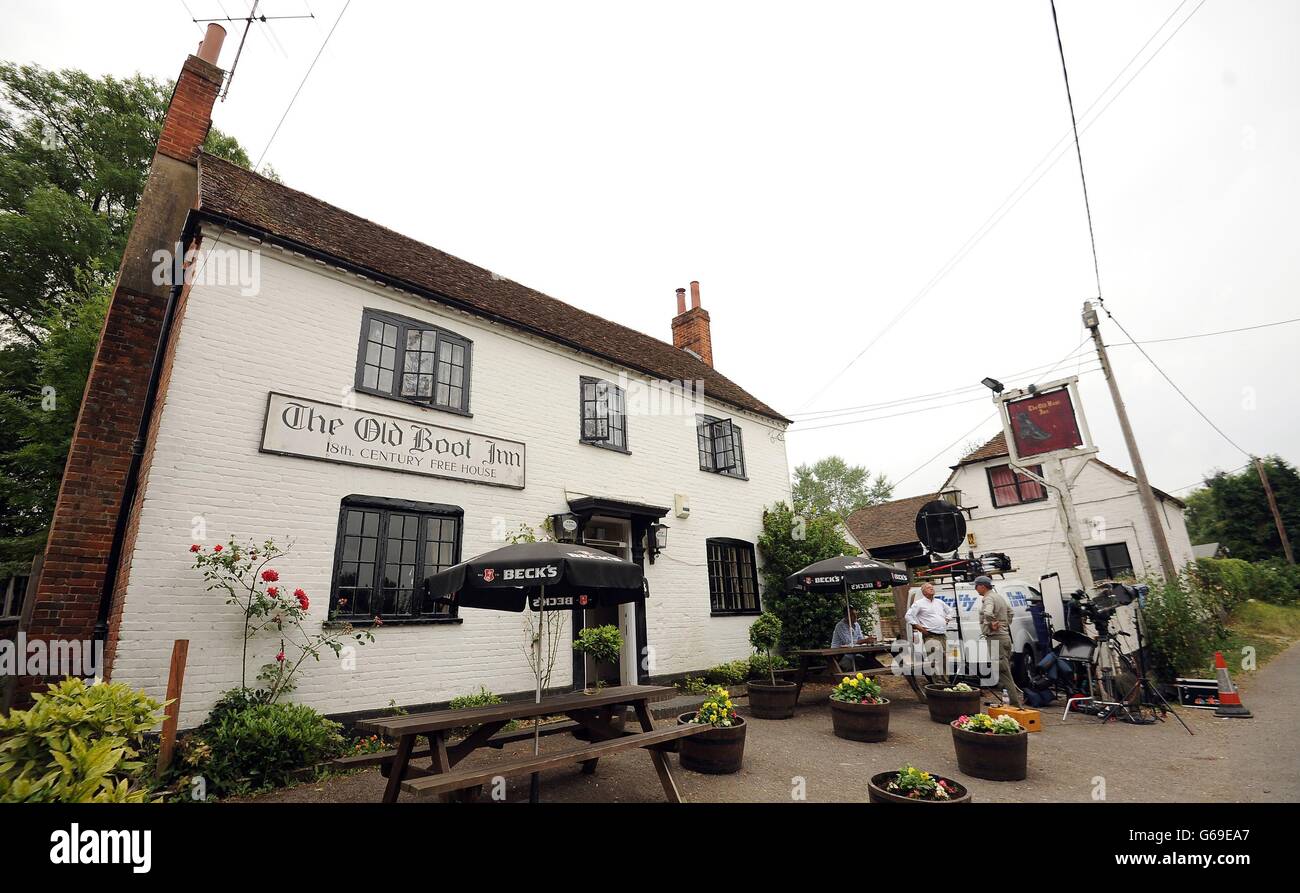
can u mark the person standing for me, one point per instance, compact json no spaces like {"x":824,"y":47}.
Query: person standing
{"x":929,"y":616}
{"x":995,"y":624}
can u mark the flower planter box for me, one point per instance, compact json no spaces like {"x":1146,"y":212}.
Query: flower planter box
{"x":946,"y":706}
{"x":720,"y":751}
{"x":877,"y":792}
{"x":991,"y":756}
{"x":860,"y":722}
{"x":767,"y":701}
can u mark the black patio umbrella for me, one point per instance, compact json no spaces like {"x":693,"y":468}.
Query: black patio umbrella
{"x":543,"y":576}
{"x":845,"y":573}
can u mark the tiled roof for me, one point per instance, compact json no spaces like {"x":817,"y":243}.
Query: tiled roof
{"x":889,"y":523}
{"x":230,"y":193}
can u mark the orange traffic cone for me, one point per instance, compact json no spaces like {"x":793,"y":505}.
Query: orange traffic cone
{"x":1229,"y":701}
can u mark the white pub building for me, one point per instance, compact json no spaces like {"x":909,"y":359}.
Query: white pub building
{"x":386,"y":410}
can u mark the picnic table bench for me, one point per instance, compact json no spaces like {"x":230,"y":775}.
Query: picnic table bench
{"x":592,"y":712}
{"x":832,"y":673}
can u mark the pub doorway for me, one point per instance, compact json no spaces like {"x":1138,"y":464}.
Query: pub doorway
{"x":612,"y":535}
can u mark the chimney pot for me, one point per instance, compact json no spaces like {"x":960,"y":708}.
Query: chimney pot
{"x":691,"y":328}
{"x":681,"y":301}
{"x":695,"y":293}
{"x":210,"y":47}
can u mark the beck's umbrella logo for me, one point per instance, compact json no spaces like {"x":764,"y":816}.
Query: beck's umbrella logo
{"x":489,"y":574}
{"x":582,"y":600}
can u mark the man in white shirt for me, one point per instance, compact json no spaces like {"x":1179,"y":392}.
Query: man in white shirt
{"x":929,"y":616}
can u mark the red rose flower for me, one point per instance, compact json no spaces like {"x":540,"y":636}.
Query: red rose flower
{"x":270,"y":575}
{"x":273,"y":591}
{"x":379,"y":621}
{"x":196,"y":548}
{"x":218,"y":547}
{"x":280,"y":657}
{"x":302,"y":598}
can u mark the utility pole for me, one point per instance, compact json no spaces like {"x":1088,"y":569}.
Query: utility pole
{"x":1090,"y":319}
{"x":1272,"y":504}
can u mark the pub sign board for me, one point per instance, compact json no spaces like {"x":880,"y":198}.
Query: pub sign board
{"x":310,"y":429}
{"x":1043,"y":423}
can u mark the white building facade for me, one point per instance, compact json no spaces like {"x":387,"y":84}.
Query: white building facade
{"x":282,"y":417}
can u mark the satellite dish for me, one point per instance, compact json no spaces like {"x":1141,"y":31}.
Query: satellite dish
{"x":940,"y":526}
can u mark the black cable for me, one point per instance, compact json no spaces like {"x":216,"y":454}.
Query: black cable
{"x":1078,"y":150}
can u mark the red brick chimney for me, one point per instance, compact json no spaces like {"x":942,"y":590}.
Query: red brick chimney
{"x":691,"y":327}
{"x":87,"y":552}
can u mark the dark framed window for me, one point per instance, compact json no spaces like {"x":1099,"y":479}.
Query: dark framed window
{"x":411,"y":360}
{"x":1012,"y":487}
{"x":1109,"y":562}
{"x":733,"y":577}
{"x":12,"y":592}
{"x":385,"y":548}
{"x":604,"y":414}
{"x":721,"y":447}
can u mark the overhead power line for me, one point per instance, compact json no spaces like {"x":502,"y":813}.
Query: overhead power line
{"x":1018,"y":193}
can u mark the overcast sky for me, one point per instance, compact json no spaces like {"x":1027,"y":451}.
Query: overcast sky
{"x":815,"y":166}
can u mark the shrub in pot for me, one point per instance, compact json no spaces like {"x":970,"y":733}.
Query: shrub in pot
{"x":947,"y":703}
{"x":603,"y":644}
{"x":721,"y":750}
{"x":859,"y":712}
{"x":992,"y":747}
{"x":912,"y":785}
{"x":769,"y":698}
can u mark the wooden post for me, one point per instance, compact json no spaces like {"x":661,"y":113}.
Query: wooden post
{"x":1277,"y":515}
{"x":172,"y":712}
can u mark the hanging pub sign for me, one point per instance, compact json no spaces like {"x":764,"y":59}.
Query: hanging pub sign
{"x":297,"y":426}
{"x":1043,"y":422}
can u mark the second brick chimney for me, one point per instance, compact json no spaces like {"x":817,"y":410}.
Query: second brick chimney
{"x":691,"y":326}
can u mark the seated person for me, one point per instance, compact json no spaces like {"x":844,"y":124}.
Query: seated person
{"x":848,"y":632}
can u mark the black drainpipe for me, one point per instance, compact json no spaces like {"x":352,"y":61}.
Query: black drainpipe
{"x":141,"y":436}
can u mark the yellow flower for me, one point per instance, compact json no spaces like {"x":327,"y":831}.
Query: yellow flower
{"x":846,"y":681}
{"x":859,"y":675}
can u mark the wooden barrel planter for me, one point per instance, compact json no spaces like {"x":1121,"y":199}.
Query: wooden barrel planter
{"x":860,"y":722}
{"x":767,"y":701}
{"x":877,"y":792}
{"x":946,"y":706}
{"x":720,"y":751}
{"x":991,"y":756}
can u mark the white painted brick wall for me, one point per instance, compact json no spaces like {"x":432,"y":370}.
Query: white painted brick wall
{"x":299,"y":336}
{"x":1109,"y":511}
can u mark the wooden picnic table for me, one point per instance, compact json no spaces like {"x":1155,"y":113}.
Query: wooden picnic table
{"x":870,"y":651}
{"x":596,"y":712}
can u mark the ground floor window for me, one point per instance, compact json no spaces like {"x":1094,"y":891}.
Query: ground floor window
{"x":1109,"y":562}
{"x":385,"y":548}
{"x":733,"y":587}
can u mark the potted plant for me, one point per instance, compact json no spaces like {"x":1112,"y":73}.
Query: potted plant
{"x":770,"y":698}
{"x":721,"y":750}
{"x":911,"y":785}
{"x":946,"y":703}
{"x":603,"y":644}
{"x":992,"y":747}
{"x":858,"y":710}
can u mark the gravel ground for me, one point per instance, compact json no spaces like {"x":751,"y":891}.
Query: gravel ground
{"x":1226,"y":760}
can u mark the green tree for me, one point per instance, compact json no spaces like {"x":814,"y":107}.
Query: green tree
{"x":832,"y":486}
{"x":1232,"y":509}
{"x":75,"y":152}
{"x":790,"y":542}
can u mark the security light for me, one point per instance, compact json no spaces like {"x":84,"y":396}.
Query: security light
{"x":992,"y":384}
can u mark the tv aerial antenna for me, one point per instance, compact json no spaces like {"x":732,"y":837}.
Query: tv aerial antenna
{"x":248,"y":21}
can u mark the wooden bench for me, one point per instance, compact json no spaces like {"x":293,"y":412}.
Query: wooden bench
{"x":465,"y":779}
{"x":384,"y":758}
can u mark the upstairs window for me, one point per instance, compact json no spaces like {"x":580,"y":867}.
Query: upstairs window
{"x":722,"y":450}
{"x":413,"y":361}
{"x":604,"y":415}
{"x":386,"y":547}
{"x":733,"y":587}
{"x":1011,"y":487}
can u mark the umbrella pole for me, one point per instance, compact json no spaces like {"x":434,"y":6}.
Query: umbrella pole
{"x":534,"y":784}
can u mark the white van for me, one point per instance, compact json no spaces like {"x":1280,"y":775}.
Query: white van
{"x":966,"y":604}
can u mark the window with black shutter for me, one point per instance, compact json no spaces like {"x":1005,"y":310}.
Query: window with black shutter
{"x":386,"y":547}
{"x":413,"y":361}
{"x":604,"y":414}
{"x":721,"y":447}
